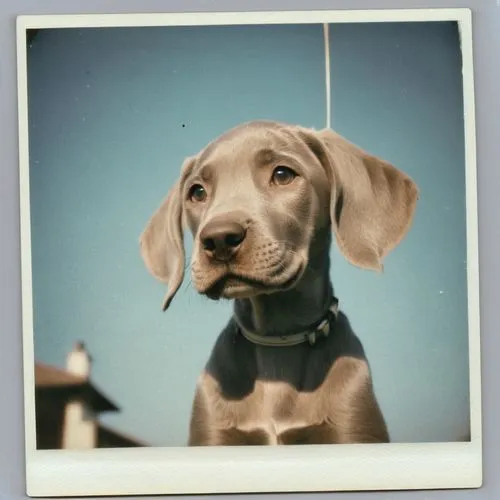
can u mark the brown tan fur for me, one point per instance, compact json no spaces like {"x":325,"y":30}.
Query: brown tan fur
{"x":264,"y":243}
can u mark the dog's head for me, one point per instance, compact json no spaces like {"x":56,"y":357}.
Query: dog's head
{"x":257,"y":201}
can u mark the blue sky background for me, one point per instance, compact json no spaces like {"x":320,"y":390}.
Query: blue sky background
{"x":113,"y":113}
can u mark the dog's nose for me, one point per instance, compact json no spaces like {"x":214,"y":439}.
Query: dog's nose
{"x":221,"y":239}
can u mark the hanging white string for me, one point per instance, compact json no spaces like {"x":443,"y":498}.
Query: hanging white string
{"x":326,"y":33}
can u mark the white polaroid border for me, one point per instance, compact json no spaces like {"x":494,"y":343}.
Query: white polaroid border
{"x":184,"y":470}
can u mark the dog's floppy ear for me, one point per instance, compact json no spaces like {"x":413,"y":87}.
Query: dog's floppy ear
{"x":372,"y":203}
{"x":162,"y":241}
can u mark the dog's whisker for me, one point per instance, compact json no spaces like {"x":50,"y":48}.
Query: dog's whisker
{"x":187,"y":285}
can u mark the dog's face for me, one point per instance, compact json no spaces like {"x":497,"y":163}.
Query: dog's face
{"x":253,"y":201}
{"x":259,"y":200}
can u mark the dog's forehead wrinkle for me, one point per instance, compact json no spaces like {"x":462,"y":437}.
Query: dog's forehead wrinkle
{"x":246,"y":140}
{"x":205,"y":172}
{"x":273,"y":132}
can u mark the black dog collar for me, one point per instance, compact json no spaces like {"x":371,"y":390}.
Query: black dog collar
{"x":311,"y":336}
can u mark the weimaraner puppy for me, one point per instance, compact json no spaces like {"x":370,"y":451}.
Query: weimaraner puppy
{"x":262,"y":202}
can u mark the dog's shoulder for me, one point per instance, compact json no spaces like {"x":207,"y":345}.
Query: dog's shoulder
{"x":232,"y":363}
{"x":341,"y":344}
{"x":343,"y":341}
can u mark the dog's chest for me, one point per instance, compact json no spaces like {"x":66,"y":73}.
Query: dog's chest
{"x":274,"y":408}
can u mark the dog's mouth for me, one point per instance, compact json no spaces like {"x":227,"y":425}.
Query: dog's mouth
{"x":233,"y":286}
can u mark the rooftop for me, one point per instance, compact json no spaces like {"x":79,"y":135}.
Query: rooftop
{"x":58,"y":380}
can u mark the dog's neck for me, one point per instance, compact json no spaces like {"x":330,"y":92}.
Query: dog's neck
{"x":286,"y":312}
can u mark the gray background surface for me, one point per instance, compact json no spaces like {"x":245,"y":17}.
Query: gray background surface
{"x":487,"y":38}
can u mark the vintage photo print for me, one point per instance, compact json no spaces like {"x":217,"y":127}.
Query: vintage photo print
{"x":249,"y":252}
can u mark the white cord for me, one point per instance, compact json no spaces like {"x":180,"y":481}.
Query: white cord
{"x":327,"y":74}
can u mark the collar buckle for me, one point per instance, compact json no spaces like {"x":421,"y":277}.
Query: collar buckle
{"x":311,"y":337}
{"x":323,"y":329}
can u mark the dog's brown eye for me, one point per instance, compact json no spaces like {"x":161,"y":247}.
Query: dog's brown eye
{"x":197,"y":193}
{"x":283,"y":175}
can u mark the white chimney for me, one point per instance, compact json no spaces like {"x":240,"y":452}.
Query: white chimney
{"x":78,"y":361}
{"x":80,"y":423}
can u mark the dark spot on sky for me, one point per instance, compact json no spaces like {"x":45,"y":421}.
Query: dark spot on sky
{"x":183,"y":125}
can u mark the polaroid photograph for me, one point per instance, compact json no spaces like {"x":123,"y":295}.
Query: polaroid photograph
{"x":249,"y":252}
